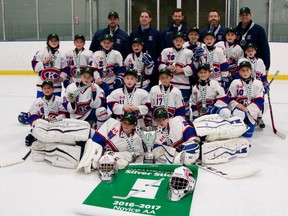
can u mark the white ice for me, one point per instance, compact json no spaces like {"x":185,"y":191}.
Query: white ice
{"x":39,"y":189}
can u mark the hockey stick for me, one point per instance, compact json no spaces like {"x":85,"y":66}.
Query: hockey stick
{"x":137,"y":191}
{"x":10,"y":163}
{"x":226,"y":174}
{"x":273,"y":77}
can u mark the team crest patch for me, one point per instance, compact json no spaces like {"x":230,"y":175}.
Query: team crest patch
{"x":248,"y":37}
{"x":219,"y":37}
{"x":118,"y":41}
{"x":150,"y":38}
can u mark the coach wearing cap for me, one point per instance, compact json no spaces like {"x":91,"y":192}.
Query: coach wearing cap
{"x":249,"y":32}
{"x":121,"y":41}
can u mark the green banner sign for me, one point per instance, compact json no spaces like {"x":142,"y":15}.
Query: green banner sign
{"x":141,"y":189}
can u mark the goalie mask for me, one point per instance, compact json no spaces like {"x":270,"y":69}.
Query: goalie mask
{"x":181,"y":183}
{"x":107,"y":168}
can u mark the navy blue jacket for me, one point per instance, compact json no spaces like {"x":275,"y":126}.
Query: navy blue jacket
{"x":168,"y":32}
{"x":120,"y":38}
{"x":219,"y":37}
{"x":257,"y":36}
{"x":151,"y":39}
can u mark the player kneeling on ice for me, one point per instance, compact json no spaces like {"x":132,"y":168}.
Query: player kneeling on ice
{"x":181,"y":183}
{"x":116,"y":138}
{"x":208,"y":97}
{"x":175,"y":142}
{"x":246,"y":96}
{"x":86,"y":100}
{"x":48,"y":107}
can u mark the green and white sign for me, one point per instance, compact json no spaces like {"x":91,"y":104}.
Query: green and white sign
{"x":141,"y":189}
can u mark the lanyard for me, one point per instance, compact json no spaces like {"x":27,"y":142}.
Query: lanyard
{"x":129,"y":141}
{"x":77,"y":61}
{"x":128,"y":97}
{"x":248,"y":90}
{"x":47,"y":106}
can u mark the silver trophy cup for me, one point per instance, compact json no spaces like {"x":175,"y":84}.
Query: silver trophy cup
{"x":148,"y":135}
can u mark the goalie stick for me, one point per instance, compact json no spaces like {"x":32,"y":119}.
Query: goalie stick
{"x":12,"y":162}
{"x":275,"y":131}
{"x":226,"y":174}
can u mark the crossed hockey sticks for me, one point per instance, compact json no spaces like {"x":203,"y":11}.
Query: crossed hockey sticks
{"x":16,"y":161}
{"x":275,"y":131}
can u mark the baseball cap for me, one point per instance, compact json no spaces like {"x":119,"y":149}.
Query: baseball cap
{"x":107,"y":37}
{"x":178,"y":34}
{"x":166,"y":71}
{"x":137,"y":40}
{"x":194,"y":29}
{"x":209,"y":32}
{"x":130,"y":117}
{"x":245,"y":10}
{"x":87,"y":70}
{"x":132,"y":72}
{"x":204,"y":66}
{"x":114,"y":14}
{"x":79,"y":36}
{"x":160,"y":113}
{"x":231,"y":29}
{"x":245,"y":64}
{"x":47,"y":82}
{"x":52,"y":35}
{"x":251,"y":45}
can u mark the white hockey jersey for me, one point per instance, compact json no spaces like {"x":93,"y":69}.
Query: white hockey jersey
{"x":173,"y":97}
{"x":55,"y":110}
{"x":138,"y":97}
{"x":75,"y":62}
{"x":215,"y":95}
{"x":134,"y":62}
{"x":52,"y":70}
{"x":237,"y":94}
{"x":233,"y":53}
{"x":258,"y":69}
{"x":110,"y":137}
{"x":107,"y":66}
{"x":85,"y":101}
{"x":217,"y":61}
{"x":182,"y":58}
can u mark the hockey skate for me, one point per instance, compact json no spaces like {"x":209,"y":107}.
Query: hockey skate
{"x":260,"y":122}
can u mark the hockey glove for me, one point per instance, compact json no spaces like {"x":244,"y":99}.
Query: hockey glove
{"x":197,"y":53}
{"x":225,"y":83}
{"x":266,"y":87}
{"x":147,"y":60}
{"x":118,"y":83}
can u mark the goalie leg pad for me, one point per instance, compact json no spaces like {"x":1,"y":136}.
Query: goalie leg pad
{"x":92,"y":153}
{"x":224,"y":151}
{"x":215,"y":127}
{"x":67,"y":131}
{"x":188,"y":155}
{"x":164,"y":154}
{"x":61,"y":155}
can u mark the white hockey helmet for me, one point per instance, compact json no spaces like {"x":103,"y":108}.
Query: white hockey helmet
{"x":107,"y":168}
{"x":181,"y":183}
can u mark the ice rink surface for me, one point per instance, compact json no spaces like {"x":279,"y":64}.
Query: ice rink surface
{"x":39,"y":189}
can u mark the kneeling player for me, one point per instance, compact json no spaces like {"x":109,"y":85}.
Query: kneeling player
{"x":116,"y":138}
{"x":247,"y":96}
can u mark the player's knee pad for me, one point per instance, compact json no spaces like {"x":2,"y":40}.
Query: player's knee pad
{"x":224,"y":112}
{"x":224,"y":151}
{"x":23,"y":118}
{"x":101,"y":116}
{"x":239,"y":113}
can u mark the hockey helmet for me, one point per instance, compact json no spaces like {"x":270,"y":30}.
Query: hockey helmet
{"x":181,"y":183}
{"x":107,"y":168}
{"x":160,"y":113}
{"x":244,"y":62}
{"x":137,"y":41}
{"x":79,"y":36}
{"x":23,"y":118}
{"x":52,"y":35}
{"x":194,"y":29}
{"x":178,"y":34}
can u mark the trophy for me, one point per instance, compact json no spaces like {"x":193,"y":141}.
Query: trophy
{"x":148,"y":135}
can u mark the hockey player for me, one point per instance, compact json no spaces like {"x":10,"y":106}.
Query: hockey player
{"x":208,"y":97}
{"x":48,"y":107}
{"x":129,"y":99}
{"x":116,"y":138}
{"x":76,"y":60}
{"x":108,"y":64}
{"x":167,"y":95}
{"x":246,"y":96}
{"x":141,"y":62}
{"x":49,"y":64}
{"x":178,"y":61}
{"x":86,"y":99}
{"x":216,"y":59}
{"x":232,"y":51}
{"x":175,"y":143}
{"x":258,"y":72}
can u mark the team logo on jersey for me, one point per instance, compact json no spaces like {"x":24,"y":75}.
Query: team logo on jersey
{"x":83,"y":108}
{"x":170,"y":56}
{"x":50,"y":73}
{"x":74,"y":72}
{"x":118,"y":41}
{"x":219,"y":37}
{"x":150,"y":38}
{"x":248,"y":37}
